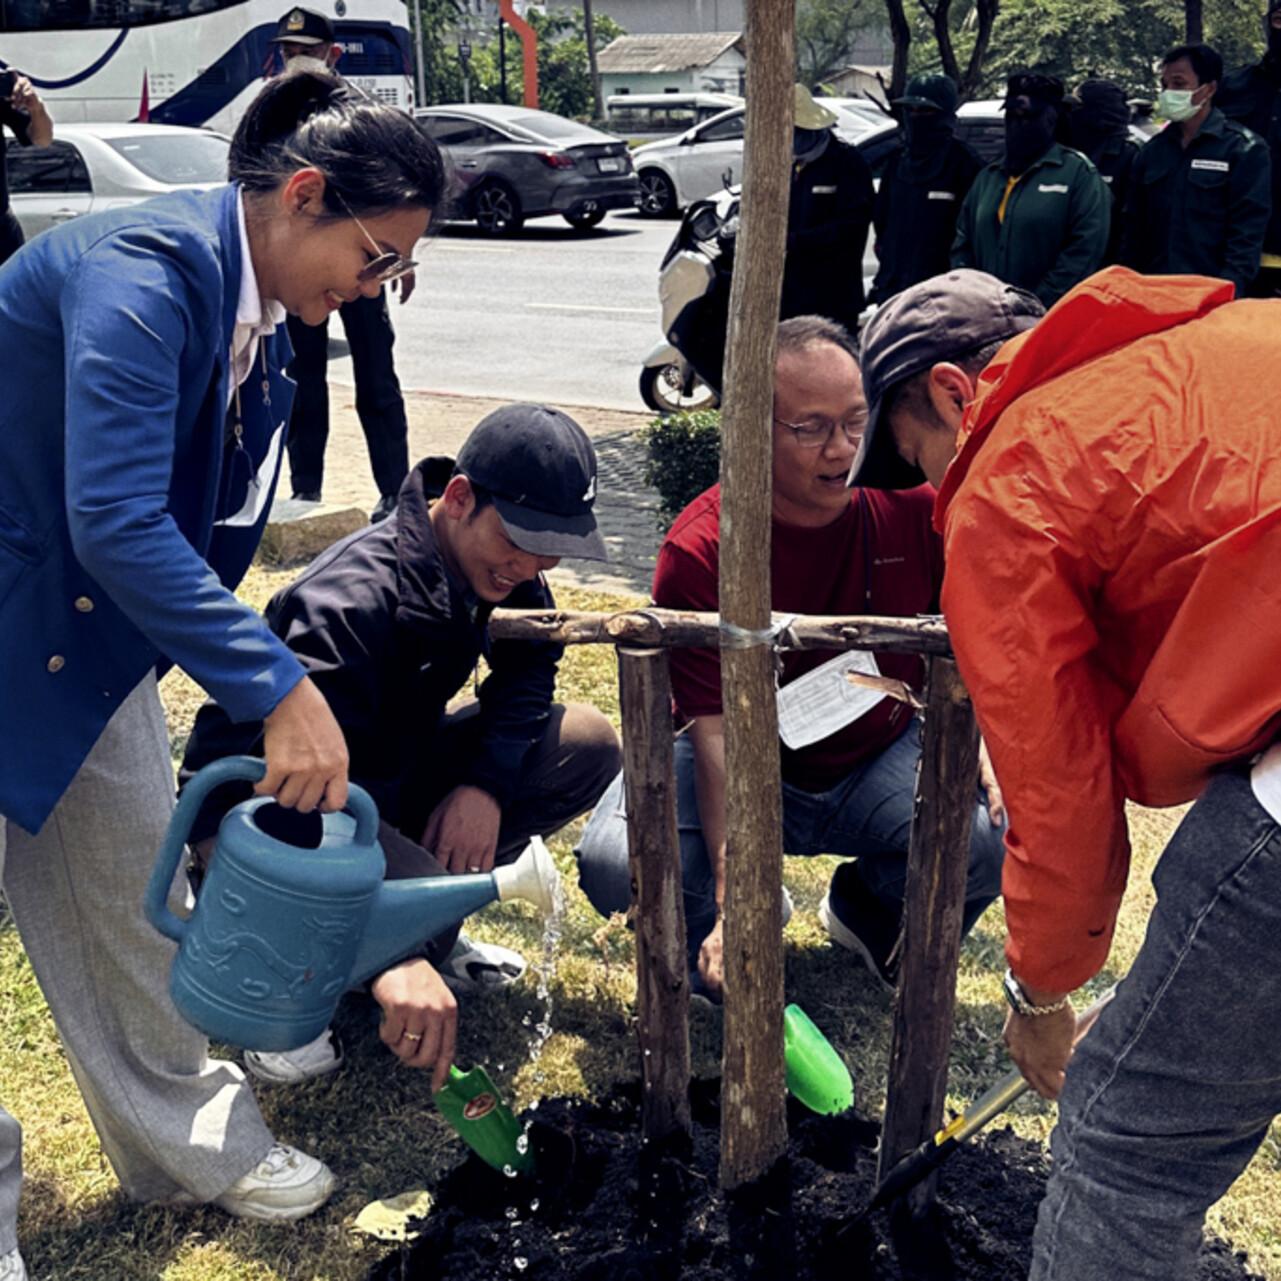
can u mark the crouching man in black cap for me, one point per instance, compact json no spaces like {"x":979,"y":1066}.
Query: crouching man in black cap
{"x":390,"y":624}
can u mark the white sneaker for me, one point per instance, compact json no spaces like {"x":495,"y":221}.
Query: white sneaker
{"x":472,"y":968}
{"x":288,"y":1067}
{"x":285,"y":1184}
{"x":12,"y":1267}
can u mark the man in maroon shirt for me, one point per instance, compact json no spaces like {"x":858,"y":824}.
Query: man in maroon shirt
{"x":849,"y":756}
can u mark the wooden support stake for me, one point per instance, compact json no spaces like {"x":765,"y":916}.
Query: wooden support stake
{"x":938,"y":860}
{"x":662,"y":970}
{"x":753,"y":1097}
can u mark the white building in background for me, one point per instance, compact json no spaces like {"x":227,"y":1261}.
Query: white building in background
{"x":651,"y":17}
{"x":710,"y":63}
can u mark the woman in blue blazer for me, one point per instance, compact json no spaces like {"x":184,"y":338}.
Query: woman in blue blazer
{"x":143,"y":405}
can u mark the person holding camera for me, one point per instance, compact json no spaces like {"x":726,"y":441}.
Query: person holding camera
{"x":25,"y":116}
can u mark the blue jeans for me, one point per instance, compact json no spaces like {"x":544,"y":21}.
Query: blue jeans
{"x":868,"y":815}
{"x":1176,"y":1085}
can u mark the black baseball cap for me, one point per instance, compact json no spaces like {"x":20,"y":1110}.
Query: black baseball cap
{"x":1043,"y":90}
{"x":930,"y":93}
{"x":304,"y":26}
{"x":540,"y":468}
{"x":944,"y":318}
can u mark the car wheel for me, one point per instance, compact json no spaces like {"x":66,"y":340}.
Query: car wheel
{"x":657,"y":195}
{"x":662,"y":389}
{"x":586,"y":216}
{"x":496,"y":208}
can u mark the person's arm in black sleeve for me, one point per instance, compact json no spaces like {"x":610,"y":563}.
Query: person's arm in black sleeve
{"x":17,"y":122}
{"x":1249,"y":208}
{"x":1131,"y":212}
{"x":515,"y":702}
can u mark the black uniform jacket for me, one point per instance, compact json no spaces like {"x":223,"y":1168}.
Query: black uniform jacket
{"x":1252,"y":96}
{"x":1200,"y":210}
{"x":389,"y":635}
{"x":915,"y":215}
{"x":828,"y":218}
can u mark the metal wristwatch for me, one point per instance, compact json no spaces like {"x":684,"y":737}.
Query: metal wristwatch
{"x":1020,"y":1002}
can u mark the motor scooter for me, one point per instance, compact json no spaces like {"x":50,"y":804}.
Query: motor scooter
{"x":683,"y":371}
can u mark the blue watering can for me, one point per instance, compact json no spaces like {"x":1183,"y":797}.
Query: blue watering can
{"x":280,"y":932}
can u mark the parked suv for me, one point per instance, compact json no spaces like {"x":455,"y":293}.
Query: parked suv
{"x":512,"y":163}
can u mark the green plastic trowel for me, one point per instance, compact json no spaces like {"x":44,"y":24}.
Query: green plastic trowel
{"x":470,"y":1102}
{"x":816,"y":1075}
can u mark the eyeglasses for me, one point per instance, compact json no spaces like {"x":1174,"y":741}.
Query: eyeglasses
{"x":814,"y":433}
{"x":387,"y":266}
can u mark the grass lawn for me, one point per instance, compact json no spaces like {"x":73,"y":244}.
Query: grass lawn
{"x":374,"y":1122}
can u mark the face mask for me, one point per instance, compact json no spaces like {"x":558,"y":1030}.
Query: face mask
{"x":926,"y":133}
{"x":1177,"y":104}
{"x":1027,"y":139}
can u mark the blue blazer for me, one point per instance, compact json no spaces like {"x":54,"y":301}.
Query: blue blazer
{"x":127,"y":512}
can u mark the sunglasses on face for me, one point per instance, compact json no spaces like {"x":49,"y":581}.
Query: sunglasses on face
{"x":387,"y":265}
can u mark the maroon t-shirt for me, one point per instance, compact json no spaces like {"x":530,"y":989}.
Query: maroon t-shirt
{"x":881,"y":557}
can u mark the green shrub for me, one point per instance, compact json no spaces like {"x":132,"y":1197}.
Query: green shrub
{"x":683,"y":458}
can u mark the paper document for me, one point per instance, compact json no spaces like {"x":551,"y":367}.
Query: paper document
{"x":816,"y":705}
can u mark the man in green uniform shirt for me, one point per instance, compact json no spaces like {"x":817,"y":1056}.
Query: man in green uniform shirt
{"x":1199,"y":194}
{"x":1038,"y":219}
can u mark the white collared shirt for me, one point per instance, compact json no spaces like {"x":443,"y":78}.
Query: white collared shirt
{"x":256,"y":317}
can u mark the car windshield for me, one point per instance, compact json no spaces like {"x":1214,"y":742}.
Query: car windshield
{"x":542,"y":124}
{"x":194,"y":157}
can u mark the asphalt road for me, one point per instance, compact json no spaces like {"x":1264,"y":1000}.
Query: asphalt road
{"x":549,"y":314}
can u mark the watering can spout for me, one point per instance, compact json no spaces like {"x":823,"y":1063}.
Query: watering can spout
{"x":406,"y":914}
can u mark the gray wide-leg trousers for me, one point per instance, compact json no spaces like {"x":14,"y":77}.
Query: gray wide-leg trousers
{"x":170,"y":1119}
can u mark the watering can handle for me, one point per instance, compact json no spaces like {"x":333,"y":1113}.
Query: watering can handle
{"x":229,"y":770}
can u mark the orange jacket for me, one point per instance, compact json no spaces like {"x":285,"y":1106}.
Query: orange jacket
{"x":1112,"y":525}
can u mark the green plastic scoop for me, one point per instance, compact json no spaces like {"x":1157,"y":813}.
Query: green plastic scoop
{"x":470,"y":1102}
{"x":816,"y":1075}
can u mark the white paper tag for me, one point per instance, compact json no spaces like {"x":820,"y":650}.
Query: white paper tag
{"x":941,"y":195}
{"x":1214,"y":166}
{"x":815,"y":706}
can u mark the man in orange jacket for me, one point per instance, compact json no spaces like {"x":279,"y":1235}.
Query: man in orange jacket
{"x":1110,"y":501}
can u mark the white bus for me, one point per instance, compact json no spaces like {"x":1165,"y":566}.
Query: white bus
{"x":187,"y":62}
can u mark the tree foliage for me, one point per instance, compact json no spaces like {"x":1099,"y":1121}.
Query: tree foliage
{"x":826,"y":32}
{"x":1073,"y":39}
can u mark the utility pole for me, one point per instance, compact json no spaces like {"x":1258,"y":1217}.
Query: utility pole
{"x":416,"y":30}
{"x":598,"y":103}
{"x":502,"y":60}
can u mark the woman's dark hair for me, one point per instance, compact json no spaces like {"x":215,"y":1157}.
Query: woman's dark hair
{"x":373,"y":156}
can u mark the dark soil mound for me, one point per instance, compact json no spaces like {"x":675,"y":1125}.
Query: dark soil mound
{"x":581,"y":1219}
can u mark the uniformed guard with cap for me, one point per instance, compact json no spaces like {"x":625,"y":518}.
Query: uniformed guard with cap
{"x":828,"y":217}
{"x":1039,"y":218}
{"x":924,"y":185}
{"x":1200,"y":192}
{"x":370,"y":337}
{"x":1251,"y":95}
{"x":1099,"y":126}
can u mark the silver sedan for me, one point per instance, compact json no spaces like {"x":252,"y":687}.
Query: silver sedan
{"x":91,"y":167}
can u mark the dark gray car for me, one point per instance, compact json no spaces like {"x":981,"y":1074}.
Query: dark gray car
{"x":512,"y":163}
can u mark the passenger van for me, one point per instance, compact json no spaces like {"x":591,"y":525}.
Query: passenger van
{"x":648,"y":116}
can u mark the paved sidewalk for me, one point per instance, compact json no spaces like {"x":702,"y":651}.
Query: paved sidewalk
{"x":438,"y":424}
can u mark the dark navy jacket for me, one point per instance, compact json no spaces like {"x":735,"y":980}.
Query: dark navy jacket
{"x":390,"y":635}
{"x":116,"y":331}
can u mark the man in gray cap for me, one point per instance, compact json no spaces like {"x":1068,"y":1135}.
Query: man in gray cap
{"x":924,"y":184}
{"x":1108,"y":500}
